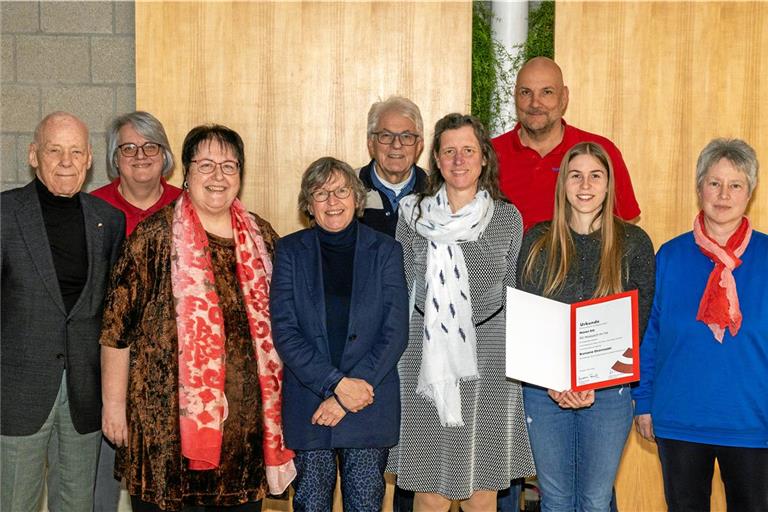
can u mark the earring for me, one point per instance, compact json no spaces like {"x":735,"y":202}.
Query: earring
{"x":185,"y":185}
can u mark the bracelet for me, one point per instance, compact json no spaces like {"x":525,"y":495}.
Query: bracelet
{"x":338,"y":401}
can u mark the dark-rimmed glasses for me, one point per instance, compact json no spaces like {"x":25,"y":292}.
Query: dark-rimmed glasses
{"x":228,"y":167}
{"x":321,"y":195}
{"x":129,"y":149}
{"x":388,"y":138}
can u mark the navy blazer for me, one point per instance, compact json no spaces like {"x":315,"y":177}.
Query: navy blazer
{"x":39,"y":337}
{"x":377,"y":337}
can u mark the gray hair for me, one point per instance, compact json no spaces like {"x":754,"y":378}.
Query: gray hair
{"x":148,"y":127}
{"x":736,"y":151}
{"x":399,"y":105}
{"x":319,"y":172}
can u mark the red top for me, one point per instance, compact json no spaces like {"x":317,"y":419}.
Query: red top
{"x":134,"y":215}
{"x":528,"y":179}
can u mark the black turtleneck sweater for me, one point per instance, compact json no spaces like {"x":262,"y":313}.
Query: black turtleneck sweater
{"x":337,"y":252}
{"x":63,"y":218}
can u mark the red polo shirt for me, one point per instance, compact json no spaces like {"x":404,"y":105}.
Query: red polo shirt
{"x":528,"y":179}
{"x":134,"y":215}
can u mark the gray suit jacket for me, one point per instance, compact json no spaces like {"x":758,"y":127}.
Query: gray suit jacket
{"x":39,"y":339}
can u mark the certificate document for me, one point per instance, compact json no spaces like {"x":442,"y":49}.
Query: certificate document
{"x":586,"y":345}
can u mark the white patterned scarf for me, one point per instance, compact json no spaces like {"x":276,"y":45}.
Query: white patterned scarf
{"x":449,"y":348}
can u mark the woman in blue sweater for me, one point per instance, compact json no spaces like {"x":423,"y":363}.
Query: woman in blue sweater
{"x":704,"y":358}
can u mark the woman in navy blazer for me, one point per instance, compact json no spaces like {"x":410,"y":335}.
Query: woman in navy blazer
{"x":339,"y":319}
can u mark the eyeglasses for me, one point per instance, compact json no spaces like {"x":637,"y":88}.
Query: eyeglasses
{"x":405,"y":138}
{"x":228,"y":167}
{"x":320,"y":195}
{"x":129,"y":149}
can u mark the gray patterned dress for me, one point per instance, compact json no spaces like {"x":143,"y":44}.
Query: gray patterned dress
{"x":492,"y":447}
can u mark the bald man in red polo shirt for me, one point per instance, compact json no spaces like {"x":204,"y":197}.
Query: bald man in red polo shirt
{"x":530,"y":154}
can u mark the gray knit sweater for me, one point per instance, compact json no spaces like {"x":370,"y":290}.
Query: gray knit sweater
{"x":581,"y":282}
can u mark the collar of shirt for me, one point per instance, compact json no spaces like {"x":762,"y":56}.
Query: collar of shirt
{"x":568,"y":139}
{"x":393,"y":196}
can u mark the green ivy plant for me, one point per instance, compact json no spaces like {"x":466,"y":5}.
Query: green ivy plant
{"x":485,"y":65}
{"x":493,"y":66}
{"x":541,"y":31}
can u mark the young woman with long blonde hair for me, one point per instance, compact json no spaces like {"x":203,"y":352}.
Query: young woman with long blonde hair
{"x":584,"y":252}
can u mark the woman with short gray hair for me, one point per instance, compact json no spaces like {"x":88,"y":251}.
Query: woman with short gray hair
{"x":320,"y":172}
{"x":736,"y":151}
{"x":339,"y":321}
{"x":139,"y":158}
{"x":704,"y":356}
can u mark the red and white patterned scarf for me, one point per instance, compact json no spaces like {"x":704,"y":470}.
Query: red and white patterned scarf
{"x":719,"y":306}
{"x":200,"y":326}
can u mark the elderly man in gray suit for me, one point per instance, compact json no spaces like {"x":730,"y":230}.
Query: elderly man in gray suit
{"x":58,"y":246}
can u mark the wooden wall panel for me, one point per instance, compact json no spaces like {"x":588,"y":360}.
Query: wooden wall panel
{"x":661,"y":79}
{"x":296,"y":79}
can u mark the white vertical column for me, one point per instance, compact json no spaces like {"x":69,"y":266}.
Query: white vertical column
{"x":510,"y":28}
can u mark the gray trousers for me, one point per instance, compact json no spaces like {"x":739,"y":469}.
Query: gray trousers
{"x":24,"y":459}
{"x":106,"y":492}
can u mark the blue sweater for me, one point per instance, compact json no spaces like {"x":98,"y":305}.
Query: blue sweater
{"x":695,"y":388}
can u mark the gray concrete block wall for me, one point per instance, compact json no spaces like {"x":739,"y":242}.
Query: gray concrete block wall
{"x":77,"y":56}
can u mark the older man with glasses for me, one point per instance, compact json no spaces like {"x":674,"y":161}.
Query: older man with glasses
{"x":395,"y":142}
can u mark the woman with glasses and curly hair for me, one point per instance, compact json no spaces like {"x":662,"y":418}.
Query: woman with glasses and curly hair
{"x":338,"y":308}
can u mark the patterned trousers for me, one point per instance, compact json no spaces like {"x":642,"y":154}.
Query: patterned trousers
{"x":362,"y":479}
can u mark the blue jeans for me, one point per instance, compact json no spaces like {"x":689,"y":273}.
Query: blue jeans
{"x":508,"y":500}
{"x":577,"y":451}
{"x":362,"y":479}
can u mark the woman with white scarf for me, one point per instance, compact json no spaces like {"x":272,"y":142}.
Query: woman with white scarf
{"x":462,"y":433}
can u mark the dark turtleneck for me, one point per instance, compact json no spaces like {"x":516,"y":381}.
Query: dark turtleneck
{"x":63,"y":218}
{"x":337,"y":252}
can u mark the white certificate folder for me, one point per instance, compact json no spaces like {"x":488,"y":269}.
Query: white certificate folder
{"x":587,"y":345}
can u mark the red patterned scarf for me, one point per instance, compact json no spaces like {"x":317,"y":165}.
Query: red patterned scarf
{"x":200,"y":326}
{"x":719,"y":306}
